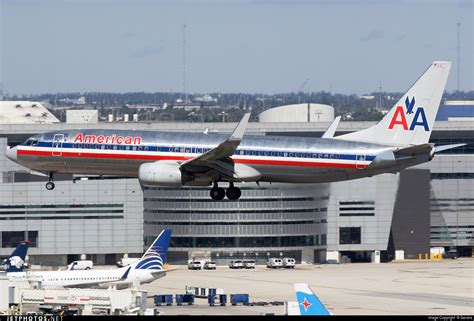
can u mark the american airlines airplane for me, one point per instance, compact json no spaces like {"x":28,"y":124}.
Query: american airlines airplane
{"x":398,"y":141}
{"x":147,"y":269}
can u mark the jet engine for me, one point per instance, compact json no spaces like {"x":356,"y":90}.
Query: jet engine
{"x":161,"y":173}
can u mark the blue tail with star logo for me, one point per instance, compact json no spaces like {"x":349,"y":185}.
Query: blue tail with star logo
{"x":308,"y":302}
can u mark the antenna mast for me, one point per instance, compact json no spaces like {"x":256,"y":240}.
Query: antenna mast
{"x":184,"y":64}
{"x":459,"y":56}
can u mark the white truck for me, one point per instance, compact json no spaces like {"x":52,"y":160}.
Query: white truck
{"x":274,"y":263}
{"x":126,"y":261}
{"x":289,"y":263}
{"x":194,"y":265}
{"x":81,"y":265}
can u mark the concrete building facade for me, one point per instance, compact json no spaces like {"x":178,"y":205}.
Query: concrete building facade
{"x":353,"y":219}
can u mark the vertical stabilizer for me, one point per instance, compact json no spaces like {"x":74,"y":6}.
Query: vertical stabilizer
{"x":308,"y":302}
{"x":155,"y":257}
{"x":411,"y":120}
{"x":17,"y":259}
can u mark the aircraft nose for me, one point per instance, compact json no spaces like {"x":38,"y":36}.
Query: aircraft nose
{"x":11,"y":154}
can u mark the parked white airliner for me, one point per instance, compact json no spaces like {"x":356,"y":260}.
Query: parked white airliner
{"x":149,"y":268}
{"x":398,"y":141}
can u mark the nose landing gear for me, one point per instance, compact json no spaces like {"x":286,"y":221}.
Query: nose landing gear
{"x":232,"y":193}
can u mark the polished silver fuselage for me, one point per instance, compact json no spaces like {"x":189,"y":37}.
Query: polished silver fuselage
{"x":277,"y":158}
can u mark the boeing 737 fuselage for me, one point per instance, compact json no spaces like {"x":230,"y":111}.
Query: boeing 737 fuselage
{"x":398,"y":141}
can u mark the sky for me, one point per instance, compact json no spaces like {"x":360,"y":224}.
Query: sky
{"x":252,"y":46}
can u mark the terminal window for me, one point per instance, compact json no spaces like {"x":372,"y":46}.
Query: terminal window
{"x":12,"y":239}
{"x":349,"y":235}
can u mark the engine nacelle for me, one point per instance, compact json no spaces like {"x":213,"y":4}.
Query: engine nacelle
{"x":161,"y":173}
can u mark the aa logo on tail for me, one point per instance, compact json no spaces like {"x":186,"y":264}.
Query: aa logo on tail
{"x":400,"y":116}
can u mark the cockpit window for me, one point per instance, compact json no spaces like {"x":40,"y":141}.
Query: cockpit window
{"x":31,"y":142}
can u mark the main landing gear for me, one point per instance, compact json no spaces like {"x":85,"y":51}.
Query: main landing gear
{"x":50,"y":184}
{"x":218,"y":193}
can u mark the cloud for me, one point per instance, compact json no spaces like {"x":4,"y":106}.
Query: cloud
{"x":147,"y":51}
{"x":375,"y":34}
{"x":400,"y":37}
{"x":127,"y":35}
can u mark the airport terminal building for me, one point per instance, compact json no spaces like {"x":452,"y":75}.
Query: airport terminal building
{"x":429,"y":205}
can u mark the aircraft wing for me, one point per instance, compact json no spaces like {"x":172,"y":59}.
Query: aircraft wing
{"x":218,"y":158}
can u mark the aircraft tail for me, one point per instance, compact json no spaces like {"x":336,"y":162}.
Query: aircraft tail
{"x":411,"y":120}
{"x":308,"y":302}
{"x":155,"y":257}
{"x":17,"y":258}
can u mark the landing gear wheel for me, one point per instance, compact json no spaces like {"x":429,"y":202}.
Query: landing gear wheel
{"x":49,"y":186}
{"x":217,"y":193}
{"x":233,"y":193}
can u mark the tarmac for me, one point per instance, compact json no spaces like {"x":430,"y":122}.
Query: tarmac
{"x":397,"y":288}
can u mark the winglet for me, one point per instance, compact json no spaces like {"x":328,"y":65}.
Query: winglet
{"x":329,"y":133}
{"x":125,"y":275}
{"x":240,"y":129}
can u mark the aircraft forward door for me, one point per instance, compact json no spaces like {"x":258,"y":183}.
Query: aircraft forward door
{"x":57,"y":148}
{"x":360,"y":157}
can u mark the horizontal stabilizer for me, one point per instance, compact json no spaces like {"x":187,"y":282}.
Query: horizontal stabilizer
{"x":414,"y":150}
{"x":446,"y":147}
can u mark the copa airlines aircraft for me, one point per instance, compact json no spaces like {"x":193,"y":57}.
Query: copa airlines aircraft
{"x":147,"y":269}
{"x":398,"y":141}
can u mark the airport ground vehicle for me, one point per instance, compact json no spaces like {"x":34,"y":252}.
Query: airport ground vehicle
{"x":127,"y":261}
{"x":289,"y":262}
{"x":239,"y":298}
{"x":237,"y":264}
{"x":451,"y":254}
{"x":194,"y":265}
{"x":81,"y":265}
{"x":248,"y":264}
{"x":210,"y":265}
{"x":274,"y":263}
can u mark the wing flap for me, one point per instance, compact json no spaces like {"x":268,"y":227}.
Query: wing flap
{"x":219,"y":158}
